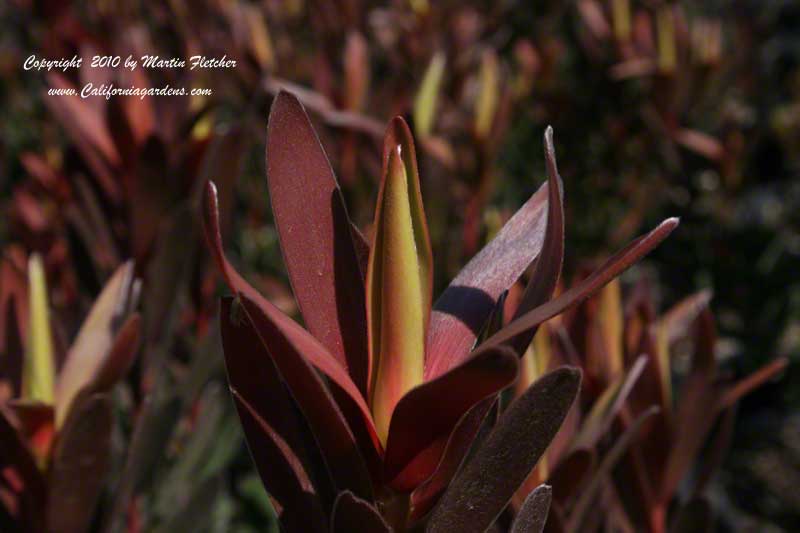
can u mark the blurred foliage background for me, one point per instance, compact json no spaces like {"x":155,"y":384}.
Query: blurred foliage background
{"x":660,"y":108}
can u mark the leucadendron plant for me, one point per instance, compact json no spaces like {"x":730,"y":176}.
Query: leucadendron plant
{"x":362,"y":421}
{"x":640,"y":441}
{"x":56,"y":414}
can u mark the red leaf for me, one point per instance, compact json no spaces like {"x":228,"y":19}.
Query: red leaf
{"x":488,"y":481}
{"x":612,"y":268}
{"x":590,"y":492}
{"x":302,"y":342}
{"x":429,"y":412}
{"x":267,"y":415}
{"x":461,"y":311}
{"x":334,"y":436}
{"x":458,"y":444}
{"x":314,"y":231}
{"x":81,"y":461}
{"x":548,"y":266}
{"x":281,"y":472}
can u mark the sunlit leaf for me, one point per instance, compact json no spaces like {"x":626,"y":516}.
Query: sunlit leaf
{"x":38,"y":373}
{"x":315,"y":237}
{"x":398,"y":285}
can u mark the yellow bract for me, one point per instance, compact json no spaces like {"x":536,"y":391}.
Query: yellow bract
{"x":38,"y":374}
{"x":397,"y":294}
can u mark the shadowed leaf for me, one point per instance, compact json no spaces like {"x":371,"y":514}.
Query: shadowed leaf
{"x":81,"y":461}
{"x":606,"y":407}
{"x":746,"y":385}
{"x":335,"y":439}
{"x":268,"y":419}
{"x":532,"y":516}
{"x":569,"y":475}
{"x":300,"y":340}
{"x":351,"y":513}
{"x":461,"y":311}
{"x":589,"y":492}
{"x":548,"y":266}
{"x":458,"y":444}
{"x":314,"y":231}
{"x":696,"y":516}
{"x":488,"y":481}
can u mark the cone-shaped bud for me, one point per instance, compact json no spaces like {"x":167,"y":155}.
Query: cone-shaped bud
{"x":398,"y":288}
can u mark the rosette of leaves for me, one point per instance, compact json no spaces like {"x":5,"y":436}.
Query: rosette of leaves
{"x":648,"y":434}
{"x":363,"y":419}
{"x":55,"y":429}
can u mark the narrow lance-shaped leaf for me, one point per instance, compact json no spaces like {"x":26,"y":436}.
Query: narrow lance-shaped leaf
{"x":38,"y":375}
{"x":425,"y":101}
{"x":548,"y":267}
{"x":95,"y":339}
{"x":81,"y":461}
{"x":487,"y":482}
{"x":398,"y":289}
{"x":488,"y":97}
{"x":302,"y":342}
{"x":590,"y":492}
{"x":612,"y":268}
{"x":315,"y":237}
{"x":462,"y":309}
{"x":610,"y":318}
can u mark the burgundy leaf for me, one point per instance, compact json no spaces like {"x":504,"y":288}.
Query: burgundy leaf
{"x":590,"y":491}
{"x":461,"y":311}
{"x":80,"y":464}
{"x":502,"y":463}
{"x":281,"y":472}
{"x":548,"y":266}
{"x":268,"y":418}
{"x":351,"y":513}
{"x":597,"y":423}
{"x":302,"y":342}
{"x":677,"y":320}
{"x":458,"y":444}
{"x":532,"y":515}
{"x":334,"y":436}
{"x":315,"y":237}
{"x":612,"y":268}
{"x":694,"y":423}
{"x":429,"y":412}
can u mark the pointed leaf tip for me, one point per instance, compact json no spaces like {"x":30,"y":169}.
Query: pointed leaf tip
{"x":314,"y":232}
{"x":398,"y":287}
{"x":532,"y":515}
